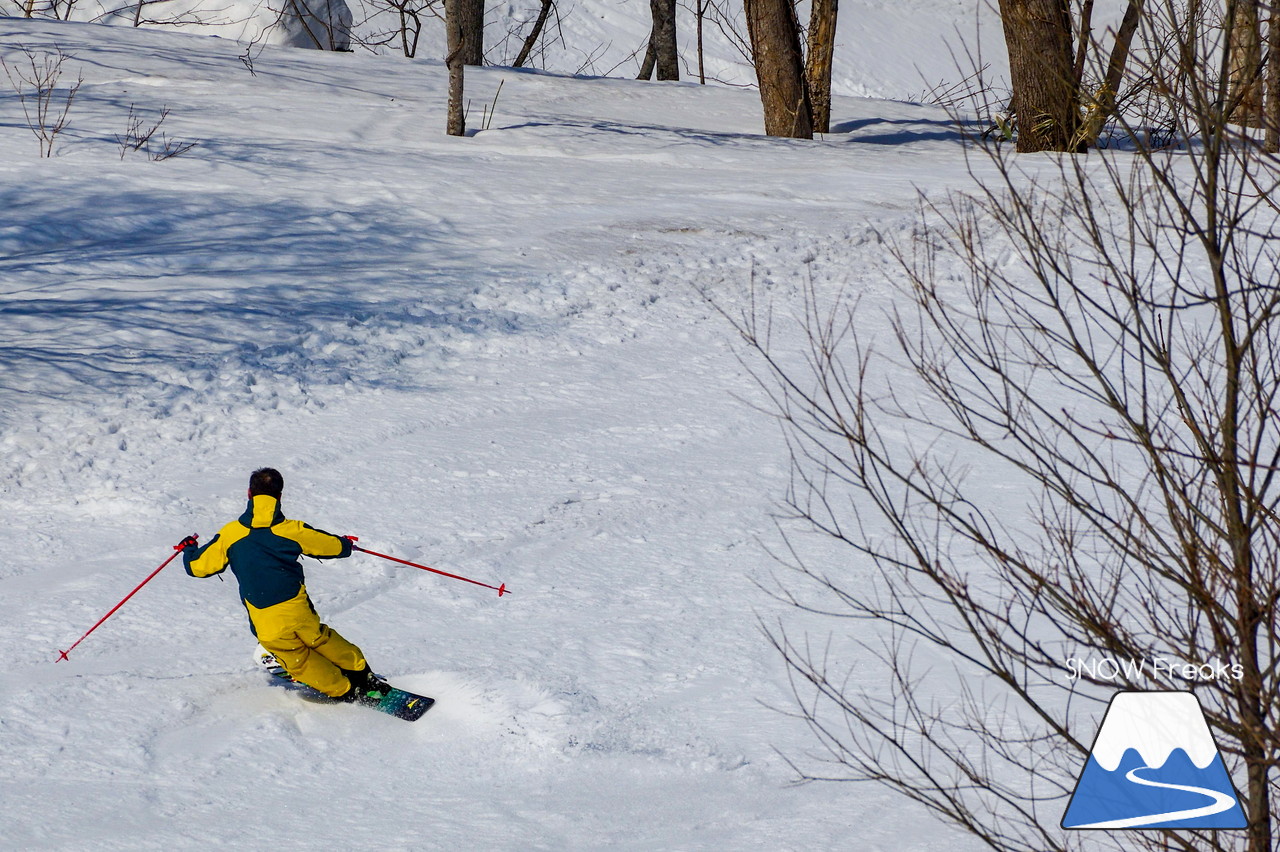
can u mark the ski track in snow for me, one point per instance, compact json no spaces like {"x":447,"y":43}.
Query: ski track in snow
{"x":486,"y":354}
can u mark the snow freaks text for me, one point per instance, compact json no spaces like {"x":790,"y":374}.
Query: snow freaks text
{"x":1158,"y":669}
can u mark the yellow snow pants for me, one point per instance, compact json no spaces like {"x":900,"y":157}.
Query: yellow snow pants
{"x":310,"y":652}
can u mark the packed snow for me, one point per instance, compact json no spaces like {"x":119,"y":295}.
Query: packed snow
{"x":489,"y":354}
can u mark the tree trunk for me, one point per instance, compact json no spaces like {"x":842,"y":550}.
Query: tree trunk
{"x":702,"y":67}
{"x":822,"y":46}
{"x":1084,"y":40}
{"x":775,"y":49}
{"x":1104,"y":102}
{"x":1273,"y":79}
{"x":662,"y":40}
{"x":650,"y":59}
{"x":471,"y":21}
{"x":1244,"y":65}
{"x":1037,"y":35}
{"x":456,"y":123}
{"x":532,"y":39}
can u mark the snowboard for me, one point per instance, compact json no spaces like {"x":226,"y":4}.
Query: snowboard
{"x":397,"y":702}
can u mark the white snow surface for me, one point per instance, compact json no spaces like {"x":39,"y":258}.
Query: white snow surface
{"x":488,"y":354}
{"x":884,"y":48}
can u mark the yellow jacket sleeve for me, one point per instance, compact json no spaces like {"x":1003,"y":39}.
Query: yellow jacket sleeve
{"x":212,"y":558}
{"x":314,"y":542}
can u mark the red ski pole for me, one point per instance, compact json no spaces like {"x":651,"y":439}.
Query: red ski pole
{"x":62,"y":655}
{"x":501,"y":590}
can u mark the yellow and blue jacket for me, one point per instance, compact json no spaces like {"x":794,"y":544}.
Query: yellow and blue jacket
{"x":262,"y":549}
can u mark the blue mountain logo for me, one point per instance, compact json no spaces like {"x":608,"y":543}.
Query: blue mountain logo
{"x":1154,"y":765}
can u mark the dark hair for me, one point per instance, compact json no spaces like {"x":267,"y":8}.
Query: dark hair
{"x":266,"y":480}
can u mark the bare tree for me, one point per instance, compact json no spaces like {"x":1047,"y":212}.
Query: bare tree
{"x":818,"y":60}
{"x":1038,"y":36}
{"x":1272,"y":116}
{"x":1244,"y":62}
{"x":775,"y":47}
{"x":700,"y":17}
{"x":395,"y":22}
{"x":1064,"y":446}
{"x":456,"y":122}
{"x":661,"y":55}
{"x":321,"y":24}
{"x":650,"y":59}
{"x":531,"y":40}
{"x":1103,"y":104}
{"x":471,"y":23}
{"x":729,"y":20}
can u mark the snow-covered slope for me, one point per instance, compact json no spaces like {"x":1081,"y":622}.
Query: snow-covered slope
{"x":884,"y":48}
{"x":488,"y":354}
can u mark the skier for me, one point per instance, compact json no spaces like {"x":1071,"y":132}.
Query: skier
{"x":262,"y":549}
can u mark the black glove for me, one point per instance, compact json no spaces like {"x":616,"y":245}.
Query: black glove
{"x":189,"y":541}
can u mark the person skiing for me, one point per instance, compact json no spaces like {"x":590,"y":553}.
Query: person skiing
{"x":262,"y":548}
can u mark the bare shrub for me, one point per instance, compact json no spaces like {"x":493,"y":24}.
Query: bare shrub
{"x":140,"y":135}
{"x":1064,"y":444}
{"x":35,"y":80}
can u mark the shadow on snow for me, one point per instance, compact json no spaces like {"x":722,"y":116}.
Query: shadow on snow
{"x":111,"y":292}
